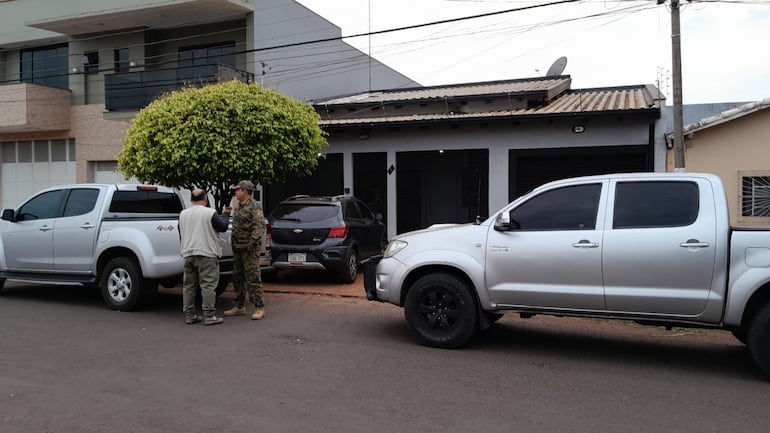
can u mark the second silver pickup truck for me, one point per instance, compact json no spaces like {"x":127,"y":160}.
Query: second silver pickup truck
{"x":123,"y":238}
{"x":656,"y":248}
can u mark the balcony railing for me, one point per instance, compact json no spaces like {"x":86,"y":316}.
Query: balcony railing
{"x":134,"y":90}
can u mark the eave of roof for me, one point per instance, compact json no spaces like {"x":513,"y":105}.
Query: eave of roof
{"x":725,"y":116}
{"x":544,"y":88}
{"x":595,"y":102}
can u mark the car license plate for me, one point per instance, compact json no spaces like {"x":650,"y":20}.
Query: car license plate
{"x":297,"y":257}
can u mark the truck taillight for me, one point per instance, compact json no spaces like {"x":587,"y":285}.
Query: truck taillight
{"x":268,"y":237}
{"x":146,"y":188}
{"x":338,"y":232}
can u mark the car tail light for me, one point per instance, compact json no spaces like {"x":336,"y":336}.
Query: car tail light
{"x":268,"y":238}
{"x":146,"y":188}
{"x":338,"y":232}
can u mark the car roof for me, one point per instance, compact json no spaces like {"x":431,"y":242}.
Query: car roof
{"x":318,"y":199}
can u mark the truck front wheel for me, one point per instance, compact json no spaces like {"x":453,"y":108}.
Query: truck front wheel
{"x":441,"y":311}
{"x":759,"y":338}
{"x":122,"y":284}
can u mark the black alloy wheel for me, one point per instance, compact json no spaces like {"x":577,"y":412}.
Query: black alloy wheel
{"x":441,"y":311}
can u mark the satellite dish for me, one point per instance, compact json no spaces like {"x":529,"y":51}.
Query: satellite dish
{"x":557,"y":67}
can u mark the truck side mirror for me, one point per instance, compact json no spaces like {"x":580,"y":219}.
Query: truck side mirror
{"x":503,"y":222}
{"x":8,"y":215}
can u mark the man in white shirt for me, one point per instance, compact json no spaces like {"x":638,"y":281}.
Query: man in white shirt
{"x":201,"y":249}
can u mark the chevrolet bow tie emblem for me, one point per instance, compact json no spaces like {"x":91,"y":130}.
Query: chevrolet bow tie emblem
{"x":297,"y":231}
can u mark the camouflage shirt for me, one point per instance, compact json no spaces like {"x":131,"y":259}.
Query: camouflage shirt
{"x":248,"y":226}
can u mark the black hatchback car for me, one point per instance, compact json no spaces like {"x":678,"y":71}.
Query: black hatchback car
{"x":332,"y":233}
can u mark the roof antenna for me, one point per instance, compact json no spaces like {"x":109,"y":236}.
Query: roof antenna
{"x":478,"y":203}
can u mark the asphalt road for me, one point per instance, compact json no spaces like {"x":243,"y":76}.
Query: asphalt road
{"x":322,"y":363}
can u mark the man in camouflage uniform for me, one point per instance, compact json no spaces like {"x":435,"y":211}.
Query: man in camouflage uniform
{"x":246,"y":239}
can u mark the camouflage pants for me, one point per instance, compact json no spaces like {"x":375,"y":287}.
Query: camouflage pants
{"x":246,"y":278}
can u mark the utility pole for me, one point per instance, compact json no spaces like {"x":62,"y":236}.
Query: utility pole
{"x":676,"y":62}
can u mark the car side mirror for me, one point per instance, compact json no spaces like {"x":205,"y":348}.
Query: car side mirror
{"x":9,"y":215}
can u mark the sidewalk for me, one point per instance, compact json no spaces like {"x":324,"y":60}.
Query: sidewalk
{"x":316,"y":283}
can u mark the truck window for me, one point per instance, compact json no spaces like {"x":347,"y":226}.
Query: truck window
{"x":145,"y":202}
{"x":655,"y":204}
{"x":81,"y":201}
{"x":568,"y":208}
{"x":42,"y":206}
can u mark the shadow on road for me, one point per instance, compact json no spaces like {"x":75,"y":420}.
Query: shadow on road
{"x":165,"y":299}
{"x":56,"y":294}
{"x":624,"y":343}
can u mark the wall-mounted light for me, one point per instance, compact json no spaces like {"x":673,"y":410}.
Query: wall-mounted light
{"x":577,"y":129}
{"x":76,"y":70}
{"x":441,"y":151}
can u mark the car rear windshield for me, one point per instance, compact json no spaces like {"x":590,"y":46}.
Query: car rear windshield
{"x":145,"y":202}
{"x":305,"y":213}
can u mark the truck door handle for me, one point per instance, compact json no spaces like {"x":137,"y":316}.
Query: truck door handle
{"x":87,"y":226}
{"x":694,"y":243}
{"x":45,"y":228}
{"x":585,"y":243}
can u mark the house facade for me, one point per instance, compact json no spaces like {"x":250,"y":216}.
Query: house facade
{"x":442,"y":154}
{"x":734,"y":145}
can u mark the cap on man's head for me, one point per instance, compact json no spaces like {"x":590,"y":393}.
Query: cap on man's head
{"x":245,"y":185}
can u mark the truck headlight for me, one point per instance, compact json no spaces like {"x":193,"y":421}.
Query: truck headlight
{"x":393,"y":247}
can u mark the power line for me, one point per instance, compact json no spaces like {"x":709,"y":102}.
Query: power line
{"x":283,"y":46}
{"x":415,"y":26}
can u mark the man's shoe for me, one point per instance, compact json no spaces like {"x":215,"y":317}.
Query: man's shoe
{"x":191,"y":320}
{"x":235,"y":311}
{"x":259,"y":314}
{"x":213,"y":320}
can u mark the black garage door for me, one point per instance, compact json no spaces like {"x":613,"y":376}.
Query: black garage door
{"x":532,"y":168}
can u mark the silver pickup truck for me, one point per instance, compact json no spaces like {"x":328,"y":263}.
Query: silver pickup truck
{"x":656,"y":248}
{"x":122,"y":238}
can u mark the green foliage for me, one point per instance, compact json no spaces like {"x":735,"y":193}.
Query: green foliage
{"x":214,"y":136}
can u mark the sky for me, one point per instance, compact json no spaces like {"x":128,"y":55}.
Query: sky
{"x":724,"y":44}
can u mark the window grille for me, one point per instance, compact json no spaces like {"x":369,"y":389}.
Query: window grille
{"x":755,"y":196}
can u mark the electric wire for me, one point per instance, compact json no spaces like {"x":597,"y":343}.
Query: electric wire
{"x":285,"y":76}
